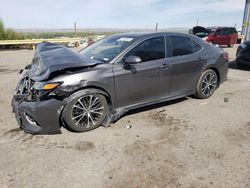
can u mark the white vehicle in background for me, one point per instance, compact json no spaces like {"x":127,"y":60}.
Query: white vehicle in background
{"x":83,"y":43}
{"x":241,"y":37}
{"x":239,"y":31}
{"x":99,"y":37}
{"x":71,"y":44}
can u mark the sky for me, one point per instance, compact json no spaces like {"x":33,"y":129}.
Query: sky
{"x":23,"y":14}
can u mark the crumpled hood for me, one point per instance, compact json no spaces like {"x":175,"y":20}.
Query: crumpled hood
{"x":50,"y":57}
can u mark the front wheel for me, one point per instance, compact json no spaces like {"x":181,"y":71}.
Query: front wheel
{"x":86,"y":112}
{"x":207,"y":84}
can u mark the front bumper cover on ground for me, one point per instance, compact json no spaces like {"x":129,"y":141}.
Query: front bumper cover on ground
{"x":40,"y":117}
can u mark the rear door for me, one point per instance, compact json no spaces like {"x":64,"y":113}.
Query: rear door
{"x":142,"y":82}
{"x":233,"y":36}
{"x":186,"y":63}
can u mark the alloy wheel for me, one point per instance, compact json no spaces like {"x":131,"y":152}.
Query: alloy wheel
{"x":87,"y":111}
{"x":209,"y":84}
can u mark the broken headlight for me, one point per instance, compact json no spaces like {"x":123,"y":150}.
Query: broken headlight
{"x":46,"y":85}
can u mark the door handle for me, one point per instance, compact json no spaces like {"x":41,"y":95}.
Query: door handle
{"x":165,"y":66}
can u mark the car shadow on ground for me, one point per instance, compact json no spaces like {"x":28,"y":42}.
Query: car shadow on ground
{"x":153,"y":106}
{"x":233,"y":65}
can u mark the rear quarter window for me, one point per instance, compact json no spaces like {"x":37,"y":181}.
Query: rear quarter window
{"x":233,"y":30}
{"x":196,"y":47}
{"x":183,"y":45}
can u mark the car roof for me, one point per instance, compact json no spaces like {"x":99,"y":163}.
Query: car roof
{"x":139,"y":35}
{"x":219,"y":27}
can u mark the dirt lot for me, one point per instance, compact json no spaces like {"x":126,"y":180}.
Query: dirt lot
{"x":182,"y":143}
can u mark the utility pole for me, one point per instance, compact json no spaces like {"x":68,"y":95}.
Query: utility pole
{"x":246,"y":19}
{"x":156,"y":26}
{"x":75,"y":28}
{"x":197,"y":21}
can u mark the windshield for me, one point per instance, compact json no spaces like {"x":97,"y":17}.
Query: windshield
{"x":107,"y":49}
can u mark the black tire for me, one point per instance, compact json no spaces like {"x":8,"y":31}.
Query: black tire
{"x":205,"y":87}
{"x":74,"y":109}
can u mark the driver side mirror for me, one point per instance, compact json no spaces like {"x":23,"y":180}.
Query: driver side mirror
{"x":131,"y":60}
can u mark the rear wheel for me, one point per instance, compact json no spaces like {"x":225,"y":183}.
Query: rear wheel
{"x":207,"y":84}
{"x":86,"y":112}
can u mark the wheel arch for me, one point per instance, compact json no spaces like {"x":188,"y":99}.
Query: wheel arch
{"x":216,"y":71}
{"x":89,"y":90}
{"x":78,"y":93}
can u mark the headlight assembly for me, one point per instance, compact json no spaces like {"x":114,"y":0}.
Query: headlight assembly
{"x":46,"y":86}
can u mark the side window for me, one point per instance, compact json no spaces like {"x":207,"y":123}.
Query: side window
{"x":224,"y":31}
{"x":218,"y":32}
{"x":148,"y":50}
{"x":227,"y":31}
{"x":233,"y":30}
{"x":181,"y":45}
{"x":197,"y":47}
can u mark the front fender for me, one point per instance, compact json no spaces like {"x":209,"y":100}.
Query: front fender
{"x":85,"y":91}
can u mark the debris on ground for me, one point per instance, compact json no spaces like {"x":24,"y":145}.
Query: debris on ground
{"x":226,"y":99}
{"x":162,"y":111}
{"x":129,"y":126}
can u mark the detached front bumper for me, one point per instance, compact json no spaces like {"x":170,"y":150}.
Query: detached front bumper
{"x":40,"y":117}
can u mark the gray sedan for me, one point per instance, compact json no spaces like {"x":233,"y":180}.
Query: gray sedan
{"x":93,"y":87}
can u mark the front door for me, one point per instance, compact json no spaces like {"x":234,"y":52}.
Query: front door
{"x":142,"y":82}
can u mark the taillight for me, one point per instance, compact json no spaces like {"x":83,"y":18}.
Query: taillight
{"x":226,"y":56}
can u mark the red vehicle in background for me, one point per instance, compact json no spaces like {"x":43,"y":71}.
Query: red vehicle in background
{"x":217,"y":35}
{"x":90,"y":41}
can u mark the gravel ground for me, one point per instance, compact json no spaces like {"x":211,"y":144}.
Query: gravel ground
{"x":182,"y":143}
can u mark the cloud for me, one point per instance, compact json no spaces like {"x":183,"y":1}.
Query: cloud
{"x":120,"y":14}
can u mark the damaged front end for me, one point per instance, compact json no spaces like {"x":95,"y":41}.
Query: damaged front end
{"x":47,"y":85}
{"x":36,"y":102}
{"x":37,"y":111}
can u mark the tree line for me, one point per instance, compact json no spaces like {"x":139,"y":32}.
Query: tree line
{"x":9,"y":34}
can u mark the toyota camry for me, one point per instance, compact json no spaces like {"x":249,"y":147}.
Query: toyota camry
{"x":95,"y":86}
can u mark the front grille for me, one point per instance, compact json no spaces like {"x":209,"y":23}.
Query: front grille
{"x":34,"y":95}
{"x":25,"y":87}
